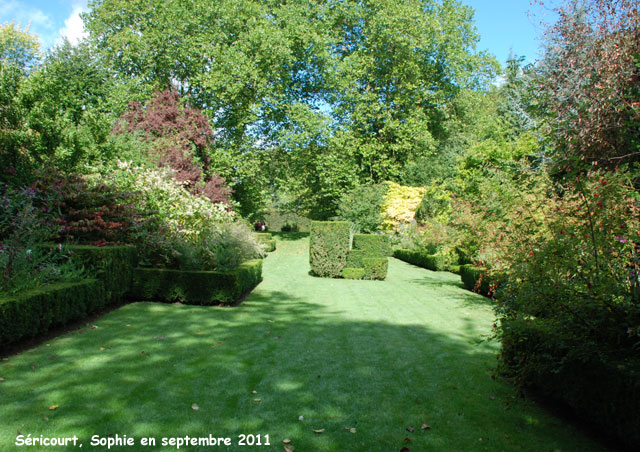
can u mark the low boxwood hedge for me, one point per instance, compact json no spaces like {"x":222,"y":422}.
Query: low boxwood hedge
{"x":375,"y":267}
{"x":601,"y":386}
{"x":30,"y":313}
{"x":196,"y":287}
{"x":476,"y":279}
{"x":353,"y":273}
{"x":434,"y":262}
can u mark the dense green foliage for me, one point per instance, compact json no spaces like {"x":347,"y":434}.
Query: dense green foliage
{"x":375,"y":267}
{"x":196,"y":287}
{"x":373,"y":244}
{"x":328,"y":248}
{"x":35,"y":311}
{"x":362,"y":207}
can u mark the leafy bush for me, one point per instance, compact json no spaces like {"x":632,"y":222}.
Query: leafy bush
{"x":183,"y":230}
{"x":400,"y":205}
{"x":434,"y":262}
{"x":282,"y":221}
{"x":23,"y":227}
{"x":362,"y":206}
{"x":328,"y":247}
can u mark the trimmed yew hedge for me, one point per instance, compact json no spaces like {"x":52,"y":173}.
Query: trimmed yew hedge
{"x":375,"y":267}
{"x":374,"y":245}
{"x":353,"y":273}
{"x":34,"y":312}
{"x":434,"y":262}
{"x":328,"y":247}
{"x":600,"y":388}
{"x":476,"y":279}
{"x":196,"y":287}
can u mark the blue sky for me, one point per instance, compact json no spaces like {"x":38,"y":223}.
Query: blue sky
{"x":504,"y":25}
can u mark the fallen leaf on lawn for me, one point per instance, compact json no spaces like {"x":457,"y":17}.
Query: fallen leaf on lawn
{"x":270,"y":321}
{"x":45,"y":418}
{"x":301,"y":418}
{"x":218,"y":343}
{"x":410,"y":428}
{"x":276,"y":337}
{"x":54,"y":407}
{"x":33,"y":367}
{"x":257,"y":400}
{"x":52,"y":357}
{"x":93,"y":327}
{"x":318,"y":431}
{"x":425,"y":427}
{"x":254,"y":392}
{"x":352,"y":429}
{"x":101,"y":349}
{"x":128,"y":325}
{"x":407,"y":440}
{"x":195,"y":406}
{"x":492,"y":397}
{"x":288,"y":448}
{"x":142,"y":352}
{"x":1,"y":379}
{"x":405,"y":449}
{"x":286,"y":441}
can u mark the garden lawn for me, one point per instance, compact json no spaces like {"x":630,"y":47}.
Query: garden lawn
{"x":299,"y":354}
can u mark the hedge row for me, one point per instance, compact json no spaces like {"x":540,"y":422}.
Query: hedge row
{"x":328,"y":248}
{"x":196,"y":287}
{"x":477,"y":279}
{"x":435,"y":262}
{"x":34,"y":312}
{"x":601,"y":390}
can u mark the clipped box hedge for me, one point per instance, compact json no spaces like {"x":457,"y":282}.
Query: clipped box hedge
{"x":601,"y":388}
{"x":28,"y":314}
{"x":353,"y":273}
{"x":434,"y":262}
{"x":476,"y":279}
{"x":328,"y":248}
{"x":196,"y":287}
{"x":375,"y":267}
{"x":266,"y":238}
{"x":374,"y":245}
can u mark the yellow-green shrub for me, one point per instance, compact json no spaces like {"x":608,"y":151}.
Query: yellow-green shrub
{"x":400,"y":205}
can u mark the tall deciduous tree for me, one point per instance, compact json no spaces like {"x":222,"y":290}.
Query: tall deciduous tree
{"x":18,"y":47}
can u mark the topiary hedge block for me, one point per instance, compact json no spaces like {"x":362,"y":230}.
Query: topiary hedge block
{"x":375,"y":245}
{"x":113,"y":265}
{"x":354,"y":258}
{"x":353,"y":273}
{"x":30,"y":313}
{"x":268,"y":245}
{"x":196,"y":287}
{"x":375,"y":267}
{"x":328,"y":247}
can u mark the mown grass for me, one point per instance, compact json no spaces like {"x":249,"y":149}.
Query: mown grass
{"x":377,"y":357}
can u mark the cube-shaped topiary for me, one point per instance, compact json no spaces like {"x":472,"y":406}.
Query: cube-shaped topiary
{"x":328,"y":247}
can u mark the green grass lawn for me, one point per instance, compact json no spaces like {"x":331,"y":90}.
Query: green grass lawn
{"x":378,"y":357}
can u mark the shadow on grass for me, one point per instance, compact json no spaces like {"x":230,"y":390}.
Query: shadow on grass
{"x":259,"y":367}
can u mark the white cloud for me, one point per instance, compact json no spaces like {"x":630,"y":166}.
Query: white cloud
{"x":38,"y":22}
{"x":73,"y":28}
